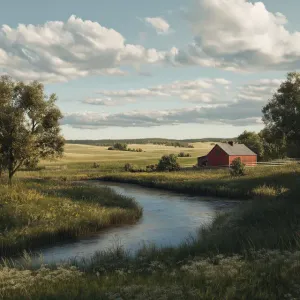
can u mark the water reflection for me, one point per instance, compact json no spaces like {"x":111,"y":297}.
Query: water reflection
{"x":168,"y":219}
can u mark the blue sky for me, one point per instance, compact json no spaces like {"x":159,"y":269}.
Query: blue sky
{"x":129,"y":69}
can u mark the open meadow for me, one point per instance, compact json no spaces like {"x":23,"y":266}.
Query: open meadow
{"x":249,"y":253}
{"x":83,"y":154}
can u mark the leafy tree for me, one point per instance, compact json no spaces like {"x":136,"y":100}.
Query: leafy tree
{"x":168,"y":163}
{"x":274,"y":146}
{"x":237,"y":167}
{"x":29,"y":125}
{"x":282,"y":114}
{"x":253,"y":141}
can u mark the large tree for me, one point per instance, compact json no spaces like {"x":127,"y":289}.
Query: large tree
{"x":29,"y":125}
{"x":253,"y":141}
{"x":282,"y":114}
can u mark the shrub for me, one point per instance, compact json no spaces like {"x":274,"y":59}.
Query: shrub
{"x":151,"y":168}
{"x":128,"y":167}
{"x":137,"y":170}
{"x":168,"y":163}
{"x":182,"y":154}
{"x":110,"y":148}
{"x":237,"y":168}
{"x":96,"y":165}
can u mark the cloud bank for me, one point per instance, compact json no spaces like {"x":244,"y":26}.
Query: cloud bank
{"x":58,"y":51}
{"x":197,"y":91}
{"x":238,"y":35}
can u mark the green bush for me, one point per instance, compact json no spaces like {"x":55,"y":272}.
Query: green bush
{"x":168,"y":163}
{"x":120,"y":146}
{"x":128,"y":167}
{"x":96,"y":165}
{"x":237,"y":167}
{"x":151,"y":168}
{"x":183,"y":154}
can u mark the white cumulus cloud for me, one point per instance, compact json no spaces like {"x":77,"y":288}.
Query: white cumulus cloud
{"x":60,"y":51}
{"x":159,"y":24}
{"x":238,"y":35}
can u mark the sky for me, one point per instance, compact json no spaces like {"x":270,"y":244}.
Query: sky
{"x":137,"y":69}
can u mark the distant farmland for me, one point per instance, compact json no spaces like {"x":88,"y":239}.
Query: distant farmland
{"x":158,"y":141}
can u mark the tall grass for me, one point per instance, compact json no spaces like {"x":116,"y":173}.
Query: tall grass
{"x":259,"y":182}
{"x":40,"y":213}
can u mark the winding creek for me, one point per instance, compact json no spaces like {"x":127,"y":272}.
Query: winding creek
{"x":168,"y":219}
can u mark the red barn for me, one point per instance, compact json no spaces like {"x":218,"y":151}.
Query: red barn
{"x":223,"y":154}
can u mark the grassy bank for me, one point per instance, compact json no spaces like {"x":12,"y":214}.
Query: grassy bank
{"x":39,"y":212}
{"x":260,"y":182}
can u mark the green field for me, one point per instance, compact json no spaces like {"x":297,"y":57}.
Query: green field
{"x":250,"y":253}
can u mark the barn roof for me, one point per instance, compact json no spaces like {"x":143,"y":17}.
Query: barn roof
{"x":236,"y":149}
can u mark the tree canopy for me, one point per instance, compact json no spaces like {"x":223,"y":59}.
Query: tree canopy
{"x":253,"y":141}
{"x":282,"y":114}
{"x":29,"y":125}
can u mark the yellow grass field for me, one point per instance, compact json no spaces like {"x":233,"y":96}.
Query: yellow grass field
{"x":75,"y":154}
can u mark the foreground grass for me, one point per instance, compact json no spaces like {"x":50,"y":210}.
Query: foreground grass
{"x":264,"y":275}
{"x":251,"y":253}
{"x":38,"y":213}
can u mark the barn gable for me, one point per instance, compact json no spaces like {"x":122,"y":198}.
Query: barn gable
{"x":236,"y":149}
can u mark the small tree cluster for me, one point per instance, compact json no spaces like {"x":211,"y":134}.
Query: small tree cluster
{"x":120,"y":146}
{"x":183,"y":154}
{"x":123,"y":147}
{"x":135,"y":150}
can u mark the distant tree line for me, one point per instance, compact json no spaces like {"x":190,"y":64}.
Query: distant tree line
{"x":156,"y":141}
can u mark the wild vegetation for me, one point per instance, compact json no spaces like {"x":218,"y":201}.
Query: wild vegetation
{"x":251,"y":252}
{"x":38,"y":212}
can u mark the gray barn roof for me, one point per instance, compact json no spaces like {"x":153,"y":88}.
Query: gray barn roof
{"x":236,"y":149}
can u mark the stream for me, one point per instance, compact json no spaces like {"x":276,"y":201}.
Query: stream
{"x":168,"y":219}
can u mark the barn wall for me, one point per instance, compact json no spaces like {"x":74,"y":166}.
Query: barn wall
{"x":246,"y":159}
{"x":217,"y":157}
